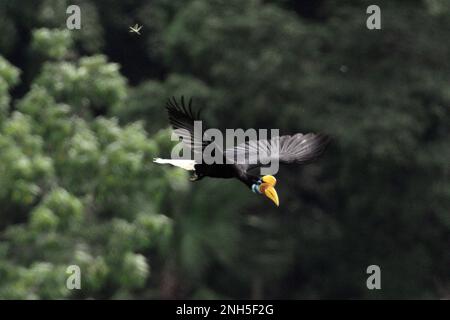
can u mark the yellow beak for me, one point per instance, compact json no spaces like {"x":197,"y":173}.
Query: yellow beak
{"x":270,"y":193}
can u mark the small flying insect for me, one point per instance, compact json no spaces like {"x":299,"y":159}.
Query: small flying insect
{"x":136,"y":28}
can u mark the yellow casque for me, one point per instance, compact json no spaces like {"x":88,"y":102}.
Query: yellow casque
{"x":267,"y":188}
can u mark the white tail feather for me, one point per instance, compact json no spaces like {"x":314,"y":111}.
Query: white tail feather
{"x":181,"y":163}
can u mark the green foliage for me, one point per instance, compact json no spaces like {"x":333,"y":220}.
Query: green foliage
{"x":98,"y":84}
{"x":9,"y":76}
{"x":64,"y":174}
{"x":52,"y":43}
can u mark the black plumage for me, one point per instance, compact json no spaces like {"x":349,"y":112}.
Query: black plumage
{"x":298,"y":148}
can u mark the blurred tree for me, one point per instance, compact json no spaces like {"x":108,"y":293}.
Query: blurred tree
{"x":381,"y":193}
{"x":75,"y":189}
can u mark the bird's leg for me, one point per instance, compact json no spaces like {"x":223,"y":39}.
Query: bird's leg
{"x":194,"y":177}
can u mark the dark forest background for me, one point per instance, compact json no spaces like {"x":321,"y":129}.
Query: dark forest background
{"x":82,"y":116}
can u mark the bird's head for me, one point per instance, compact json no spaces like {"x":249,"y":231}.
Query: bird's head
{"x":265,"y":185}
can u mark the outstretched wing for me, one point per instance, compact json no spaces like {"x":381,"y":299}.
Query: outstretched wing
{"x":299,"y":148}
{"x":182,"y":119}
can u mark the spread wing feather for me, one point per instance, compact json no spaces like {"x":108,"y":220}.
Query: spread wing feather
{"x":182,"y":119}
{"x":299,"y":148}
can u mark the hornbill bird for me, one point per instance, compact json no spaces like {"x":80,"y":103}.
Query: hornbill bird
{"x":298,"y":148}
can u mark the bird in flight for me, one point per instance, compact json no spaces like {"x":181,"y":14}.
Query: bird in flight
{"x":136,"y":28}
{"x":298,"y":148}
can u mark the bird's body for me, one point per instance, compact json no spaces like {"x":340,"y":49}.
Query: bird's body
{"x":298,"y":148}
{"x":201,"y":170}
{"x":214,"y":170}
{"x":225,"y":171}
